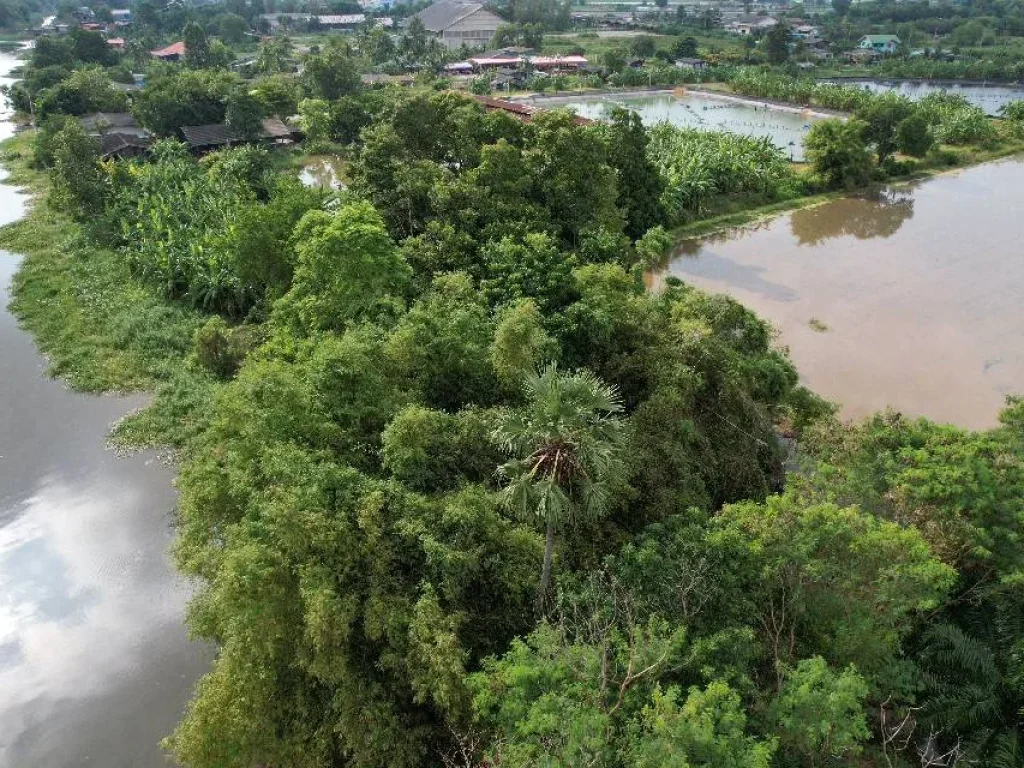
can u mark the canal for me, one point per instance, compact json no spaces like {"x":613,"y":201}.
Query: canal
{"x":910,"y":297}
{"x":95,"y":664}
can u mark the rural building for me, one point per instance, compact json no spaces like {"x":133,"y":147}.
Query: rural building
{"x":173,"y":52}
{"x":751,"y":25}
{"x":879,"y":43}
{"x":697,"y":65}
{"x":523,"y":112}
{"x":119,"y":134}
{"x":457,"y":22}
{"x":122,"y":16}
{"x":554,"y":63}
{"x":207,"y":138}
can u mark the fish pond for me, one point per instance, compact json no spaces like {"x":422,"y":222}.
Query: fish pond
{"x":786,"y":127}
{"x":911,"y":297}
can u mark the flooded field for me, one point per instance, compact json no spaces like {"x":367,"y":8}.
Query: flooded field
{"x":785,"y":127}
{"x":988,"y":97}
{"x":911,"y":297}
{"x":95,"y":663}
{"x":323,"y":171}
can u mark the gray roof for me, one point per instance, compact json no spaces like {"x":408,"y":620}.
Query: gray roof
{"x":114,"y":144}
{"x":443,"y":14}
{"x":103,"y":120}
{"x":219,"y":134}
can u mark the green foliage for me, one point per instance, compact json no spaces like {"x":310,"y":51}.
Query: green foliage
{"x":183,"y":97}
{"x":820,"y":713}
{"x":914,"y":136}
{"x":838,"y":151}
{"x":347,"y":271}
{"x":776,"y":43}
{"x":698,"y":166}
{"x":955,"y":120}
{"x":84,"y":90}
{"x":244,"y":115}
{"x":838,"y":582}
{"x":79,"y":185}
{"x":220,"y":349}
{"x":707,"y":729}
{"x":521,"y":345}
{"x":639,"y":181}
{"x":883,"y":117}
{"x":330,"y":74}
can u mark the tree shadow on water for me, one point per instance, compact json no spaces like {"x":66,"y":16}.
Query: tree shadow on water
{"x":878,"y":214}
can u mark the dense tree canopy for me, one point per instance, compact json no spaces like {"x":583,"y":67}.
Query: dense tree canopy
{"x":436,"y":395}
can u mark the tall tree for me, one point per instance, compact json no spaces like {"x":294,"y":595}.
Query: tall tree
{"x":564,"y":446}
{"x":639,"y":183}
{"x":197,"y":47}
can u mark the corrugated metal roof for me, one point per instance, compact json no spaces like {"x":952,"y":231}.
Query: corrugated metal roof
{"x":101,"y":120}
{"x":174,"y":49}
{"x":443,"y":14}
{"x":219,"y":134}
{"x":342,"y":19}
{"x":207,"y":135}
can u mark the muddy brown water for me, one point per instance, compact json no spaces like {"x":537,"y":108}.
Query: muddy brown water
{"x":911,"y":297}
{"x":95,"y":664}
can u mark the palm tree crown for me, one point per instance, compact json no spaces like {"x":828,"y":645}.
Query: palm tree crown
{"x":564,"y":446}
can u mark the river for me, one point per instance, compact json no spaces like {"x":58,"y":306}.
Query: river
{"x":95,"y":664}
{"x":910,"y":297}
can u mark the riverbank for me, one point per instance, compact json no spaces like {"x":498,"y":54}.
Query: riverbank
{"x":98,"y":327}
{"x":96,"y":664}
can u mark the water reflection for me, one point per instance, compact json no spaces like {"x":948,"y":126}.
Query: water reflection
{"x":326,"y":171}
{"x":877,"y":214}
{"x":920,"y":288}
{"x":95,"y":664}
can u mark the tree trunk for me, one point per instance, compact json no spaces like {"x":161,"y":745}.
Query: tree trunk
{"x":545,"y":574}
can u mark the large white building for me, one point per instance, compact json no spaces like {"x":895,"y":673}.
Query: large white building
{"x":455,"y":22}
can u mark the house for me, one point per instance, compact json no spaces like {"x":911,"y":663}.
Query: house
{"x":522,"y":112}
{"x":122,"y":16}
{"x":173,"y":52}
{"x":697,"y":65}
{"x":340,"y":21}
{"x":119,"y":134}
{"x":457,"y":22}
{"x":117,"y":43}
{"x":751,"y":25}
{"x":879,"y":43}
{"x":119,"y":146}
{"x":509,"y":62}
{"x":207,"y":138}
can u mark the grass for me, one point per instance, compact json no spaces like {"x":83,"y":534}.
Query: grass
{"x":100,"y":329}
{"x":817,"y":325}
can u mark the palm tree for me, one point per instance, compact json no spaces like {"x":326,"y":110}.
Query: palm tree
{"x":564,"y":446}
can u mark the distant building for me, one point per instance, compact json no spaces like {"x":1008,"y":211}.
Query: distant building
{"x":457,"y":22}
{"x":340,"y":21}
{"x":879,"y":43}
{"x":122,"y":16}
{"x":695,"y":64}
{"x":751,"y":25}
{"x":173,"y":52}
{"x":116,"y":43}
